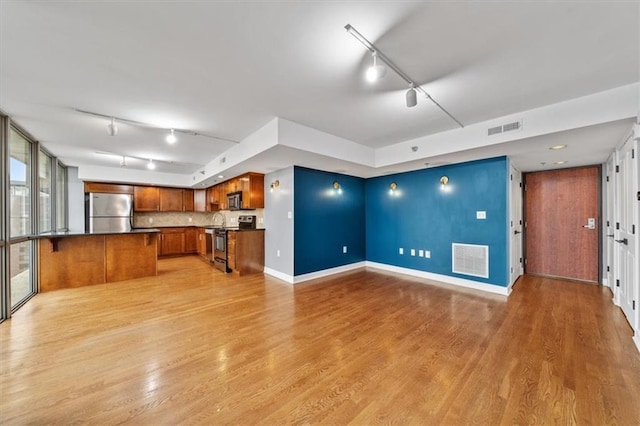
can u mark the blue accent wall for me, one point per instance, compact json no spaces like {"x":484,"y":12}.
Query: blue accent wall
{"x":325,"y":220}
{"x":423,"y":216}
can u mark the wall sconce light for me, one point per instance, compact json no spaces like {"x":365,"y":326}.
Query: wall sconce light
{"x":275,"y":185}
{"x":444,"y":180}
{"x":336,"y":184}
{"x":392,"y":188}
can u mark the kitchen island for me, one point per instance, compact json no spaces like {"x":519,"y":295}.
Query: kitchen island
{"x":69,"y":259}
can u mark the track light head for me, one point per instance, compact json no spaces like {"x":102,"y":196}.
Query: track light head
{"x":151,"y":165}
{"x":112,"y":129}
{"x":376,"y":71}
{"x":412,"y":97}
{"x":171,"y":137}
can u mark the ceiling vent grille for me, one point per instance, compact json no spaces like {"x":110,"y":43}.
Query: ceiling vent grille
{"x":470,"y":259}
{"x":494,"y":130}
{"x":509,"y":127}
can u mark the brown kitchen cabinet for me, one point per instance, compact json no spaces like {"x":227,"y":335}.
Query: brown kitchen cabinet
{"x":172,"y":241}
{"x":245,"y":251}
{"x":252,"y":187}
{"x":107,"y":188}
{"x":190,"y":240}
{"x":146,"y":198}
{"x":213,"y":199}
{"x":202,"y":242}
{"x":200,"y":200}
{"x":176,"y":200}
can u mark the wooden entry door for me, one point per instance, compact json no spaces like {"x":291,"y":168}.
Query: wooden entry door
{"x":562,"y":223}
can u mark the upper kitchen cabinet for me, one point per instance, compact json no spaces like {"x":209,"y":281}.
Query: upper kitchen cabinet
{"x":200,"y":200}
{"x":146,"y":198}
{"x":213,"y":199}
{"x":108,"y":188}
{"x":252,"y":187}
{"x":176,"y":200}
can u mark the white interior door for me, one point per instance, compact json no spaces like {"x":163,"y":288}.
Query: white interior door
{"x":625,"y":247}
{"x":515,"y":224}
{"x":609,"y":222}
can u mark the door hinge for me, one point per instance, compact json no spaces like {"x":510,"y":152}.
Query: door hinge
{"x":520,"y":222}
{"x":607,"y":178}
{"x":633,"y":153}
{"x":521,"y":261}
{"x":617,"y":225}
{"x":617,"y":283}
{"x":511,"y":223}
{"x":510,"y":177}
{"x":633,"y":229}
{"x":617,"y":169}
{"x":520,"y":184}
{"x":634,"y":305}
{"x":638,"y":195}
{"x":512,"y":269}
{"x":608,"y":269}
{"x":608,"y":224}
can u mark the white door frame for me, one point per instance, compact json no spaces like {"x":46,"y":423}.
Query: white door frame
{"x":516,"y":267}
{"x":608,"y":223}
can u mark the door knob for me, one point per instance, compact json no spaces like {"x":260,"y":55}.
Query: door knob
{"x":623,"y":241}
{"x":610,"y":236}
{"x":516,"y":232}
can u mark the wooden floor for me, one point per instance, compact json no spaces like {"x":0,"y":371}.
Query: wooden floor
{"x":196,"y":346}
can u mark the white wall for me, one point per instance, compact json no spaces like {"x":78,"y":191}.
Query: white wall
{"x":278,"y":205}
{"x":76,"y":200}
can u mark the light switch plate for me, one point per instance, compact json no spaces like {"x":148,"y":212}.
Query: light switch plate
{"x":427,"y":254}
{"x":344,"y":249}
{"x":481,"y":215}
{"x":420,"y":253}
{"x":289,"y":215}
{"x":413,"y":252}
{"x":400,"y":250}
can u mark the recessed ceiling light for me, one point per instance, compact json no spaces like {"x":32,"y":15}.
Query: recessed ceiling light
{"x":171,"y":137}
{"x":220,"y":177}
{"x":559,"y":162}
{"x":151,"y":165}
{"x":555,"y":147}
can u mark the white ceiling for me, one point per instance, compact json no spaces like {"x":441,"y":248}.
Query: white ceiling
{"x":227,"y":68}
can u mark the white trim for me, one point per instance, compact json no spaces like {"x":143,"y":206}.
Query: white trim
{"x":636,"y":340}
{"x":279,"y":275}
{"x":326,"y":272}
{"x":490,"y":288}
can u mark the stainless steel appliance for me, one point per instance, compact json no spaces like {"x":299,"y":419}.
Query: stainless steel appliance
{"x":234,"y":200}
{"x":247,"y":222}
{"x":108,"y":212}
{"x":220,"y":249}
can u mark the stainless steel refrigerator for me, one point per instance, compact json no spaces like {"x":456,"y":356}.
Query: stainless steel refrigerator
{"x":109,"y":212}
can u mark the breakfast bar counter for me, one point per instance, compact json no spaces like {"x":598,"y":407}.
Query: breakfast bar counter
{"x":69,"y":260}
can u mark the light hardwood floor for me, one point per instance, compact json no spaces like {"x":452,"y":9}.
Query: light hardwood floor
{"x":196,"y":346}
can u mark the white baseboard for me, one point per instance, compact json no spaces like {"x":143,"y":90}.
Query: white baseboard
{"x":326,"y":272}
{"x":279,"y":275}
{"x":313,"y":275}
{"x":491,"y":288}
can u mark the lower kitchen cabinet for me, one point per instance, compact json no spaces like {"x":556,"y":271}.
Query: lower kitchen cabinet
{"x":191,"y":240}
{"x":201,"y":237}
{"x":245,"y":251}
{"x":172,"y":241}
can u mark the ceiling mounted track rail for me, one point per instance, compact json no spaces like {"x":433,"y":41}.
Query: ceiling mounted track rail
{"x":380,"y":55}
{"x":151,"y":126}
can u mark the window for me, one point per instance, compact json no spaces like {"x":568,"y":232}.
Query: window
{"x":44,"y":173}
{"x":61,"y":198}
{"x":19,"y":184}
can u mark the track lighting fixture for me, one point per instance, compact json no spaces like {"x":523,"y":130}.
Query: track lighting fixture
{"x":412,"y":97}
{"x":123,"y":162}
{"x":171,"y":137}
{"x":275,"y":185}
{"x":376,"y":71}
{"x":112,"y":129}
{"x":151,"y":165}
{"x":378,"y":55}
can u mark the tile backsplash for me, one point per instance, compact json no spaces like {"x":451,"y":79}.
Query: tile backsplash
{"x":162,"y":219}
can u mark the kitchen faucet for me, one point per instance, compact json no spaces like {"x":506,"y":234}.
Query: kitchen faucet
{"x":214,"y":218}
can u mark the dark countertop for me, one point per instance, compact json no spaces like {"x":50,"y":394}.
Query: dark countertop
{"x":86,"y":234}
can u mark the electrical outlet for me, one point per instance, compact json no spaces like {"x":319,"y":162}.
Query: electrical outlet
{"x":190,"y":220}
{"x":261,"y":220}
{"x":400,"y":250}
{"x":278,"y":253}
{"x":481,"y":215}
{"x":344,"y":249}
{"x":427,"y":254}
{"x":420,"y":253}
{"x":150,"y":220}
{"x":413,"y":252}
{"x":289,"y":215}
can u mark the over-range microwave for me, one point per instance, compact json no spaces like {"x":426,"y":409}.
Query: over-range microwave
{"x":234,"y":200}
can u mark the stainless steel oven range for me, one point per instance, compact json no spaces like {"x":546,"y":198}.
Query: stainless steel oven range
{"x":219,"y":244}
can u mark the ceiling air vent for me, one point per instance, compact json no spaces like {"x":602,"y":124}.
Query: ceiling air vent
{"x":223,"y":160}
{"x":511,"y":126}
{"x":494,"y":130}
{"x":470,"y":259}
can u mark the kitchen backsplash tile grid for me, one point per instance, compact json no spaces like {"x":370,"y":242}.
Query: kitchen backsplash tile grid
{"x":158,"y":219}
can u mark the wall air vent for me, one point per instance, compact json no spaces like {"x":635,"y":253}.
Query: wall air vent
{"x":510,"y":127}
{"x":470,"y":259}
{"x":494,"y":130}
